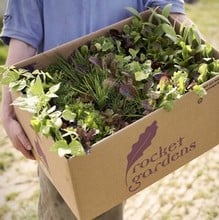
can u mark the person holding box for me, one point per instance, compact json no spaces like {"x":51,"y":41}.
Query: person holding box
{"x":34,"y":26}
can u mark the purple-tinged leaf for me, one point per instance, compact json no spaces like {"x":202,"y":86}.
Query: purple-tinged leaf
{"x":148,"y":85}
{"x":115,"y":34}
{"x":156,"y":65}
{"x":128,"y":91}
{"x":95,"y":61}
{"x":139,"y":147}
{"x":147,"y":106}
{"x":158,"y":76}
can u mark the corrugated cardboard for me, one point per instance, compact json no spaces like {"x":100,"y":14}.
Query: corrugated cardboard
{"x":135,"y":157}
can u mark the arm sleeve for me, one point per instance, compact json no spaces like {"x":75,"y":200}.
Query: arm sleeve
{"x":177,"y":5}
{"x":23,"y":21}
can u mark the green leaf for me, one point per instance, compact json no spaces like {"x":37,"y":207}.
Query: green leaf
{"x":18,"y":85}
{"x":64,"y":151}
{"x":27,"y":103}
{"x":191,"y":36}
{"x":184,"y":32}
{"x":61,"y":147}
{"x":45,"y":129}
{"x":68,"y":115}
{"x":167,"y":105}
{"x":169,"y":31}
{"x":59,"y":144}
{"x":57,"y":122}
{"x":199,"y":90}
{"x":161,"y":18}
{"x":141,"y":75}
{"x":76,"y":148}
{"x":9,"y":76}
{"x":107,"y":45}
{"x":35,"y":123}
{"x":133,"y":52}
{"x":52,"y":109}
{"x":215,"y":66}
{"x":166,"y":10}
{"x":84,"y":50}
{"x":55,"y":114}
{"x":180,"y":78}
{"x":126,"y":29}
{"x":197,"y":36}
{"x":203,"y":70}
{"x":36,"y":88}
{"x":134,"y":12}
{"x":207,"y":50}
{"x":55,"y":88}
{"x":186,"y":50}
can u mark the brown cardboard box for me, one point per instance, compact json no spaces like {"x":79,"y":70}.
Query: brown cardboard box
{"x":135,"y":157}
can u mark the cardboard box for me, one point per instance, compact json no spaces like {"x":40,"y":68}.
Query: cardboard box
{"x":123,"y":164}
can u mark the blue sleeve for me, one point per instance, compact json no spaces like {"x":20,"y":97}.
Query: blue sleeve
{"x":177,"y":5}
{"x":23,"y":21}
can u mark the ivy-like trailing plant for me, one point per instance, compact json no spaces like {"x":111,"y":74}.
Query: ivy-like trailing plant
{"x":113,"y":81}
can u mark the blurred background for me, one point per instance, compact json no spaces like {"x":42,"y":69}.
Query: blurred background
{"x":3,"y":50}
{"x":191,"y":192}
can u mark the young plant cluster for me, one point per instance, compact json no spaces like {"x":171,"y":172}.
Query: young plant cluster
{"x":113,"y":81}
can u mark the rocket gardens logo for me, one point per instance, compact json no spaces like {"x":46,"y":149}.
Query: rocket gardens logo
{"x":137,"y":171}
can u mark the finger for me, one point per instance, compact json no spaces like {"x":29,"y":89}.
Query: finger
{"x":20,"y":147}
{"x":24,"y":141}
{"x":20,"y":135}
{"x":28,"y":154}
{"x":183,"y":19}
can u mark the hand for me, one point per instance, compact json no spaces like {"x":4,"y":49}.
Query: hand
{"x":12,"y":127}
{"x":18,"y":138}
{"x":182,"y":19}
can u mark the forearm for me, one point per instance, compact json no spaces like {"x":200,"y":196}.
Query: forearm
{"x":18,"y":51}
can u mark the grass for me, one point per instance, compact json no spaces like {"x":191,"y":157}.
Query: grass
{"x":3,"y":53}
{"x":3,"y":210}
{"x":12,"y":196}
{"x":3,"y":49}
{"x":205,"y":15}
{"x":6,"y":161}
{"x":28,"y":210}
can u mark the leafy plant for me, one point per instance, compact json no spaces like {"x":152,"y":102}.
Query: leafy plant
{"x":113,"y":81}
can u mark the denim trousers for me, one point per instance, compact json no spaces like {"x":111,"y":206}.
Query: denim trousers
{"x":52,"y":206}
